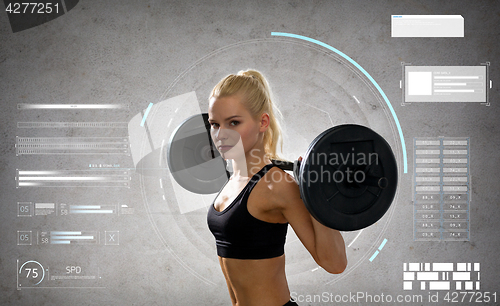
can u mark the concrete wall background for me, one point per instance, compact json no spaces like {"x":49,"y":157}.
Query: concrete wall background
{"x":134,"y":53}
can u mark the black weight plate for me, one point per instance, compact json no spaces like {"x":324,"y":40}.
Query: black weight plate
{"x":349,"y":204}
{"x":193,"y":160}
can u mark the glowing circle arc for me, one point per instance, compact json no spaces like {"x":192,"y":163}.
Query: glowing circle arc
{"x":405,"y":164}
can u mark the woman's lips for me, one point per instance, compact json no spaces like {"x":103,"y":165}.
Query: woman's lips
{"x":225,"y":148}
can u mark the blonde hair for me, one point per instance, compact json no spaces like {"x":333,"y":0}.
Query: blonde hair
{"x":257,"y":99}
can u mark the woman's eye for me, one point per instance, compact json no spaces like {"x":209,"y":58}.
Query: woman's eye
{"x":214,"y":125}
{"x":233,"y":123}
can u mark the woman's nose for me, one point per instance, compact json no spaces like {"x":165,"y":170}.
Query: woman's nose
{"x":220,"y":134}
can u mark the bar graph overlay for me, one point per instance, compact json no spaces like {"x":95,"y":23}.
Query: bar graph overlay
{"x":70,"y":237}
{"x":73,"y":178}
{"x":72,"y":145}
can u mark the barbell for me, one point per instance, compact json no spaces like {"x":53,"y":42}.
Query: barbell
{"x":347,"y":177}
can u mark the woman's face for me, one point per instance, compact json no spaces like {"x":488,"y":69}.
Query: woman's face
{"x":233,"y":129}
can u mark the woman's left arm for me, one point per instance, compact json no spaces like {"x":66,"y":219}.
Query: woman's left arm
{"x":330,"y":247}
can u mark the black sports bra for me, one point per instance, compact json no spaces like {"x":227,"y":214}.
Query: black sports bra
{"x":240,"y":235}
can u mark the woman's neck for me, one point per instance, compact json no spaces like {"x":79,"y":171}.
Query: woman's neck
{"x":251,"y":164}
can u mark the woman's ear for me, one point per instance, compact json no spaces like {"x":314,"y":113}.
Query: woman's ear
{"x":264,"y":122}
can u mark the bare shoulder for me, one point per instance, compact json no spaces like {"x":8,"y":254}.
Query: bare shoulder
{"x":284,"y":196}
{"x":282,"y":188}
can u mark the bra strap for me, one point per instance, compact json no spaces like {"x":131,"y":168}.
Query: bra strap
{"x":257,"y":176}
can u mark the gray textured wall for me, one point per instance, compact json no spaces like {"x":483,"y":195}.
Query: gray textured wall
{"x":138,"y":52}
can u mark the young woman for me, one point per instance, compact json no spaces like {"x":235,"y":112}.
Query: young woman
{"x":250,"y":215}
